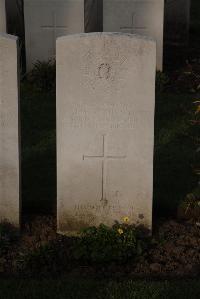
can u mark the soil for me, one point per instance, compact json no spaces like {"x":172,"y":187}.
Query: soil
{"x":174,"y":251}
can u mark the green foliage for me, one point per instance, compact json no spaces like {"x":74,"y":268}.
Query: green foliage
{"x":43,"y":75}
{"x":161,"y":81}
{"x":103,"y":244}
{"x":8,"y":236}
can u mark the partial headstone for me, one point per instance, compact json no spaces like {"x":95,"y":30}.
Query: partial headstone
{"x":105,"y":129}
{"x":45,"y":20}
{"x":177,"y":22}
{"x":143,"y":17}
{"x":9,"y":131}
{"x":93,"y":15}
{"x":2,"y":16}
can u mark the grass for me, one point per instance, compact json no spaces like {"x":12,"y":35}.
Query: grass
{"x":38,"y":123}
{"x":92,"y":289}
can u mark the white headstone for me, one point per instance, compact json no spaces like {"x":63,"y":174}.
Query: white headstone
{"x":105,"y":129}
{"x":45,"y":20}
{"x":177,"y":22}
{"x":2,"y":16}
{"x":9,"y":131}
{"x":143,"y":17}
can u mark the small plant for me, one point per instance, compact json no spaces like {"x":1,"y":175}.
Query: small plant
{"x":189,"y":208}
{"x":43,"y":75}
{"x":103,"y":244}
{"x":8,"y":236}
{"x":161,"y":81}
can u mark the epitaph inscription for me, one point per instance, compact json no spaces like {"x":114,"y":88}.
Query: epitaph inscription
{"x":110,"y":116}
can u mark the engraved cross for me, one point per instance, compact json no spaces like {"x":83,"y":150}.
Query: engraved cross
{"x":103,"y":158}
{"x":54,"y":27}
{"x":133,"y":26}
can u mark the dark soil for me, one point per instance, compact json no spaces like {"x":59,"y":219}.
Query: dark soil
{"x":174,"y":250}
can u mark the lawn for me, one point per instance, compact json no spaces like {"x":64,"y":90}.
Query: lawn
{"x":81,"y":288}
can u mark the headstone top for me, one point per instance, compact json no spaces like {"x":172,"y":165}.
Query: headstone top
{"x":142,"y":17}
{"x":106,"y":34}
{"x":8,"y":36}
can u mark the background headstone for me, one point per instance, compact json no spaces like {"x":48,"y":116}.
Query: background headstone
{"x":143,"y":17}
{"x":177,"y":22}
{"x":93,"y":15}
{"x":105,"y":129}
{"x":2,"y":16}
{"x":9,"y":131}
{"x":45,"y":20}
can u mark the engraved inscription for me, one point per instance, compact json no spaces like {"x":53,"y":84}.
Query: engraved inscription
{"x":105,"y":116}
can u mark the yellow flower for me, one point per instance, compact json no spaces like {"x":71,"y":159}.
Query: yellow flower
{"x":126,"y":219}
{"x":120,"y":231}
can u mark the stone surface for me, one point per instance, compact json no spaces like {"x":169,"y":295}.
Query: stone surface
{"x":177,"y":22}
{"x":143,"y":17}
{"x":9,"y":131}
{"x":2,"y":16}
{"x":105,"y":129}
{"x":45,"y":20}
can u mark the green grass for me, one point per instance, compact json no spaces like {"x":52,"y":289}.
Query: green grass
{"x":68,"y":288}
{"x":174,"y":152}
{"x":38,"y":122}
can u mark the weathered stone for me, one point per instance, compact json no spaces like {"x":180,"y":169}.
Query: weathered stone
{"x":45,"y":20}
{"x":9,"y":131}
{"x":105,"y":129}
{"x":2,"y":16}
{"x":144,"y":17}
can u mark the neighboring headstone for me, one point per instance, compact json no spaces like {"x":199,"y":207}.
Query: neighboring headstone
{"x":93,"y":15}
{"x":143,"y":17}
{"x":45,"y":20}
{"x":177,"y":22}
{"x":9,"y":131}
{"x":2,"y":16}
{"x":105,"y":129}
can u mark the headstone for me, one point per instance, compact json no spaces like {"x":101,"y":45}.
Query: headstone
{"x":2,"y":16}
{"x":9,"y":131}
{"x":45,"y":20}
{"x":105,"y":129}
{"x":177,"y":22}
{"x":93,"y":15}
{"x":143,"y":17}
